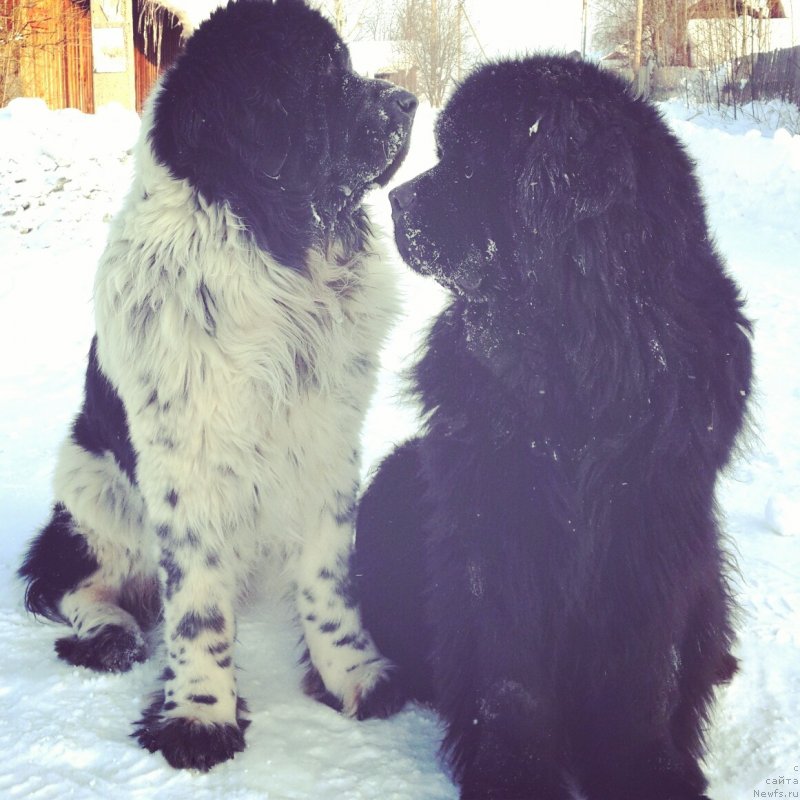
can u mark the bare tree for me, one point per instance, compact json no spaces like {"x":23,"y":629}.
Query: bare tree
{"x":637,"y":36}
{"x":431,"y":35}
{"x":355,"y":19}
{"x":727,"y":47}
{"x":376,"y":22}
{"x":663,"y":37}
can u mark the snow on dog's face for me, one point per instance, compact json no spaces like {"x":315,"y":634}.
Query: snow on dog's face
{"x":528,"y":150}
{"x":263,"y":112}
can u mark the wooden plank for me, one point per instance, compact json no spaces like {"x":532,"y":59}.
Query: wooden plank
{"x":151,"y":55}
{"x":78,"y":57}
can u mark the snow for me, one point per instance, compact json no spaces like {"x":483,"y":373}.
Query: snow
{"x":190,"y":13}
{"x":64,"y":731}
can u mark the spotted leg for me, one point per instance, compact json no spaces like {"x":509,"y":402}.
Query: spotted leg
{"x":345,"y":669}
{"x":196,"y":721}
{"x":202,"y":512}
{"x":90,"y":566}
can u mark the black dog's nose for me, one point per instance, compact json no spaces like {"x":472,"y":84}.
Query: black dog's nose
{"x":406,"y":101}
{"x":401,"y":198}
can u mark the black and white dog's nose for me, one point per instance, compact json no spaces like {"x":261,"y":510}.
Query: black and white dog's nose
{"x":402,"y":197}
{"x":406,"y":102}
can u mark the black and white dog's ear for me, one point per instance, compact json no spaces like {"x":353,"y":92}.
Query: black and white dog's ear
{"x":233,"y":153}
{"x":263,"y":138}
{"x":194,"y":135}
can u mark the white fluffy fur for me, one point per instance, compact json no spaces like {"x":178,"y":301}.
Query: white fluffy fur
{"x":245,"y":385}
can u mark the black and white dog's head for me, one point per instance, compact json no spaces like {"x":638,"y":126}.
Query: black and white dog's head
{"x":264,"y":112}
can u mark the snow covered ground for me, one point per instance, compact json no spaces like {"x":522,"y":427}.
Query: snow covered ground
{"x":64,"y":731}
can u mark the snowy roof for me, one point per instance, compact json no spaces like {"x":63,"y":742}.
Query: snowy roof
{"x":190,"y":13}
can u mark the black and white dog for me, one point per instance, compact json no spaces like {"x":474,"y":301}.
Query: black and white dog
{"x":544,"y":562}
{"x":240,"y":304}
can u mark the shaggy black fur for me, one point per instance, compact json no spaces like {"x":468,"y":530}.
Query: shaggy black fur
{"x":102,"y":424}
{"x":545,"y":561}
{"x":56,"y":562}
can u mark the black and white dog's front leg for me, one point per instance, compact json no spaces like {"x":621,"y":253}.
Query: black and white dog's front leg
{"x":346,"y":670}
{"x":196,"y":720}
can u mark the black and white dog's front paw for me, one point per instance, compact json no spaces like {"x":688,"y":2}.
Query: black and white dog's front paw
{"x":382,"y":698}
{"x":190,"y":743}
{"x":374,"y":691}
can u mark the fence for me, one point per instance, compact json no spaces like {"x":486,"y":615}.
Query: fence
{"x":761,"y":76}
{"x":776,"y":74}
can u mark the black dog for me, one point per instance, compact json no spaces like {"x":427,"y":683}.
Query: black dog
{"x":544,"y":562}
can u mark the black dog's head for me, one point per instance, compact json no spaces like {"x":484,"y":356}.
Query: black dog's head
{"x":566,"y":219}
{"x":264,"y":112}
{"x":528,"y":152}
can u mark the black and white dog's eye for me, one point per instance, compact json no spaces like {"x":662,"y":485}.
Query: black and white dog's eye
{"x":468,"y":171}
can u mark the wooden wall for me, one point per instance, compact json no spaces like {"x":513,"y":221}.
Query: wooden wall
{"x":55,"y":51}
{"x":54,"y":59}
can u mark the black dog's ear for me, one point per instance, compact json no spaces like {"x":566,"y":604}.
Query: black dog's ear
{"x":600,"y":171}
{"x":570,"y":174}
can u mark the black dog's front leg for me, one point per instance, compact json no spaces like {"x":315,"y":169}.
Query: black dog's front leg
{"x":504,"y":736}
{"x":515,"y":751}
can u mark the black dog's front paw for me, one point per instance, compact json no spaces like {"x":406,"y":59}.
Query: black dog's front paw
{"x":657,"y":772}
{"x":113,"y":648}
{"x":189,"y":743}
{"x":516,"y":784}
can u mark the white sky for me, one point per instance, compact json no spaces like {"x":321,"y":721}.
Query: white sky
{"x":504,"y":27}
{"x":511,"y":27}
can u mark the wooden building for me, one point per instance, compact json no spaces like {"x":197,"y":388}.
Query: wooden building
{"x":84,"y":53}
{"x":721,"y":31}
